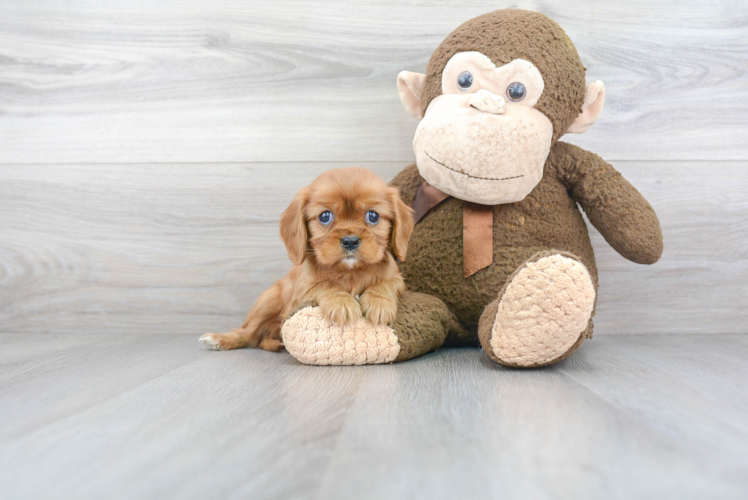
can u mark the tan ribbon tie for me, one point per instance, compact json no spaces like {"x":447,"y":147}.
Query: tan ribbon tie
{"x":477,"y":227}
{"x":427,"y":198}
{"x":477,"y":237}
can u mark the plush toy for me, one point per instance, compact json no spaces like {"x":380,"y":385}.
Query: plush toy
{"x":500,"y":255}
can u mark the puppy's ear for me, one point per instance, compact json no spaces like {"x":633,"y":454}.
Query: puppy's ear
{"x":402,"y":224}
{"x":293,"y":227}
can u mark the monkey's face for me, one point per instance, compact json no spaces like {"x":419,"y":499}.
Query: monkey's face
{"x":482,"y":140}
{"x":498,"y":92}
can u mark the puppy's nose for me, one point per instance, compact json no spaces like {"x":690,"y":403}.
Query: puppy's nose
{"x":350,"y":243}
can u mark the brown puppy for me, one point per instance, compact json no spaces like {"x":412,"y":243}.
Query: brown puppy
{"x":341,"y":233}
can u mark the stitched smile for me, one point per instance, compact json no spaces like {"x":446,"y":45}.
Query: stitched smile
{"x":474,"y":176}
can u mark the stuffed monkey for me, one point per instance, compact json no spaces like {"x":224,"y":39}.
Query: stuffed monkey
{"x":500,"y":255}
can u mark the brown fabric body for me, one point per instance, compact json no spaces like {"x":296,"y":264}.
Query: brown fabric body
{"x":548,"y":218}
{"x":477,"y":227}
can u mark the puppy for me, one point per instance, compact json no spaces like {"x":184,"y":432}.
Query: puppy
{"x":341,"y":233}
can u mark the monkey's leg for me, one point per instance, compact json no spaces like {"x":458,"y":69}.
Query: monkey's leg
{"x":542,"y":314}
{"x":421,"y":326}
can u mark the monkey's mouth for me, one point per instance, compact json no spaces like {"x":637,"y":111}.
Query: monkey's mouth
{"x":472,"y":176}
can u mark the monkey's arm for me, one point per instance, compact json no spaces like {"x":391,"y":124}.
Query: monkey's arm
{"x":621,"y":214}
{"x":407,"y":182}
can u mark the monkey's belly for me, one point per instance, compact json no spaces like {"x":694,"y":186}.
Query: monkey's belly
{"x":547,"y":219}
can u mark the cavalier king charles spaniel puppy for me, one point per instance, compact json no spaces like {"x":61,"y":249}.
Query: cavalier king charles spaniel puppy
{"x":342,"y":233}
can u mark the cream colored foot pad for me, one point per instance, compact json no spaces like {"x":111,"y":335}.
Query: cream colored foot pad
{"x":544,"y":309}
{"x":314,"y":340}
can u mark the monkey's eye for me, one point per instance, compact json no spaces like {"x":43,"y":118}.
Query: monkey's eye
{"x":325,"y":217}
{"x":516,"y":91}
{"x":372,"y":217}
{"x":465,"y":80}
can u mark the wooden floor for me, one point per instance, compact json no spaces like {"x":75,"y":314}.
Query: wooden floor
{"x":157,"y":416}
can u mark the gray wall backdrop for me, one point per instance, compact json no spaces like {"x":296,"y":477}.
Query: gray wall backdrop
{"x":147,"y":148}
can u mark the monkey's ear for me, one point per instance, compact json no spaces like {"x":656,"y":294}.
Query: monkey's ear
{"x":402,"y":224}
{"x":594,"y":97}
{"x":410,"y":88}
{"x":293,"y":227}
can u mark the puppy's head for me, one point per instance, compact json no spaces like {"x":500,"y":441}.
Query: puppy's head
{"x":347,"y":218}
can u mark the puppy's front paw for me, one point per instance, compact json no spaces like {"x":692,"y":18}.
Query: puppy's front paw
{"x":377,"y":309}
{"x":340,"y":308}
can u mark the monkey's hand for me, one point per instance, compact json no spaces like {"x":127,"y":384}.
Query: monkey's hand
{"x":339,"y":307}
{"x":377,"y":308}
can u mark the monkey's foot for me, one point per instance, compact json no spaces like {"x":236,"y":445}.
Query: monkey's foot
{"x":313,"y":340}
{"x":542,"y":314}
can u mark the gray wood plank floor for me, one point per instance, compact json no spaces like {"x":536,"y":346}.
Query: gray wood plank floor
{"x":156,"y":416}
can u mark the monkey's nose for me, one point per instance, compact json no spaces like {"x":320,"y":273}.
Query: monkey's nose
{"x":350,"y":243}
{"x":488,"y":102}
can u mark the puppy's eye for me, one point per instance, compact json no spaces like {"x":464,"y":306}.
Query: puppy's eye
{"x":465,"y":80}
{"x":372,"y":217}
{"x":325,"y":217}
{"x":516,"y":91}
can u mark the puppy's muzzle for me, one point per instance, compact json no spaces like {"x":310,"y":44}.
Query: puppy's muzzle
{"x":350,"y":243}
